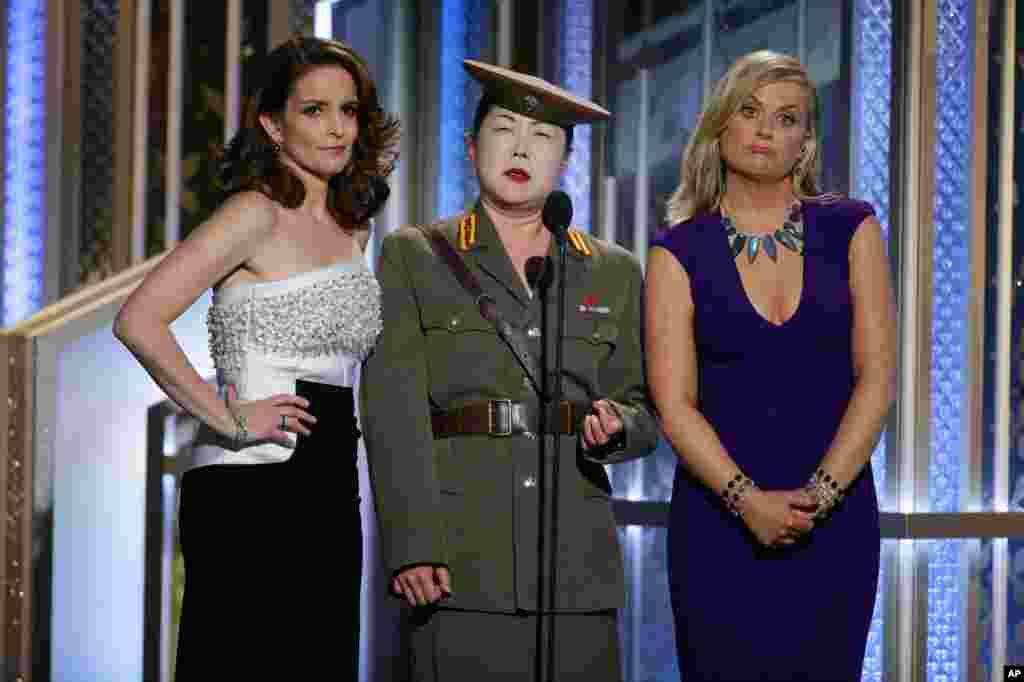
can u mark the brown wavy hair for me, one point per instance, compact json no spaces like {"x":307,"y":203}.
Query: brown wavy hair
{"x":250,"y":162}
{"x":702,"y":181}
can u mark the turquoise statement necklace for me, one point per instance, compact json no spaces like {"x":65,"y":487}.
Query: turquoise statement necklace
{"x":790,"y":235}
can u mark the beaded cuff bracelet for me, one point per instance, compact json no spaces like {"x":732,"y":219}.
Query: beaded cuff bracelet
{"x":735,"y":492}
{"x":826,"y":490}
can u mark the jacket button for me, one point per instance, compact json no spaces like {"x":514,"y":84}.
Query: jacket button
{"x":529,"y":482}
{"x":454,"y":322}
{"x":533,"y":332}
{"x":529,"y":434}
{"x":526,"y":382}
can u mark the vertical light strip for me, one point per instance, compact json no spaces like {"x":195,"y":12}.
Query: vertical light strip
{"x":323,"y":20}
{"x":975,"y":242}
{"x":503,"y":33}
{"x":974,"y":363}
{"x":172,"y":165}
{"x":871,"y":138}
{"x":1004,"y":321}
{"x":608,"y":227}
{"x":640,"y":236}
{"x":575,"y":67}
{"x":871,"y":113}
{"x":1000,"y":580}
{"x":951,"y":251}
{"x":25,"y":108}
{"x":950,"y":335}
{"x":167,"y":636}
{"x":140,"y":126}
{"x":233,"y":69}
{"x":916,"y":480}
{"x":801,"y":30}
{"x":1004,"y":273}
{"x":454,"y":110}
{"x":709,"y":36}
{"x":901,"y":648}
{"x":900,"y":662}
{"x":395,"y":91}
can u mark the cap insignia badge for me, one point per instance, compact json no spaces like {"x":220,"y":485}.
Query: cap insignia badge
{"x":530,"y":103}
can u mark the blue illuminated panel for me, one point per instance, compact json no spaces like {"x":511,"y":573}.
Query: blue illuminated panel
{"x":951,"y":282}
{"x":576,"y":75}
{"x":464,"y":34}
{"x":872,"y":136}
{"x":872,"y":107}
{"x":25,"y":162}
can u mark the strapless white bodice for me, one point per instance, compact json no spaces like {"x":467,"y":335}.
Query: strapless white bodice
{"x":318,"y":325}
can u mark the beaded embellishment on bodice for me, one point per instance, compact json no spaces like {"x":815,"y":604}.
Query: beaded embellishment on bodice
{"x":324,"y":312}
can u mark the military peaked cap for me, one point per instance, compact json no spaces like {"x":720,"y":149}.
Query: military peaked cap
{"x":534,"y":97}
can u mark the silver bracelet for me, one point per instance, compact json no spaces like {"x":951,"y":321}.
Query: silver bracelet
{"x":241,"y":426}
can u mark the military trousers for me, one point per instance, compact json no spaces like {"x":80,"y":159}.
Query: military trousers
{"x":449,"y":645}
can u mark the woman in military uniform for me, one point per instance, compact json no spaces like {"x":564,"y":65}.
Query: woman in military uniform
{"x":451,"y":414}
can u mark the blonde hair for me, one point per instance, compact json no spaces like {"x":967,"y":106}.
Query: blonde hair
{"x":702,"y":176}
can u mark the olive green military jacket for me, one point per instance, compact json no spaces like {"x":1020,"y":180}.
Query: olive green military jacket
{"x":469,"y":502}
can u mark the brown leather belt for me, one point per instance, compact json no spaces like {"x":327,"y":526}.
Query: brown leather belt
{"x":502,"y":418}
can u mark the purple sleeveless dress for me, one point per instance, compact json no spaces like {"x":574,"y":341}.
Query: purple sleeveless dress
{"x":775,"y":395}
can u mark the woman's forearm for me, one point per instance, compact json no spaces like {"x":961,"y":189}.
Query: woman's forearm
{"x":156,"y":349}
{"x":860,"y":427}
{"x":698,"y":446}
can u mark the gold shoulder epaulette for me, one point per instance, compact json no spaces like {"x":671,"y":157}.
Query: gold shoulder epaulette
{"x":467,"y":231}
{"x":579,"y":242}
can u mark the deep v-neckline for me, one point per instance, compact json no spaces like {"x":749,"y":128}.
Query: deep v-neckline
{"x":743,"y":289}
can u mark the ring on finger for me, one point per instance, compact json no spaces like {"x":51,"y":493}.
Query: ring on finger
{"x":284,"y":422}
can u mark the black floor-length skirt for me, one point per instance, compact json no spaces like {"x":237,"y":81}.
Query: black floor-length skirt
{"x":273,"y":558}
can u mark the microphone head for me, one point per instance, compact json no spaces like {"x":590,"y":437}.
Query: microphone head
{"x":538,"y":274}
{"x":557,"y":214}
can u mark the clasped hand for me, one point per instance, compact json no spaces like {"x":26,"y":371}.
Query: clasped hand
{"x":600,"y":426}
{"x":422,"y":585}
{"x":779,"y":518}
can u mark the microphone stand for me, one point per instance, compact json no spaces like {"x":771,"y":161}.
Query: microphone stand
{"x":539,"y":282}
{"x":555,"y":397}
{"x":556,"y":216}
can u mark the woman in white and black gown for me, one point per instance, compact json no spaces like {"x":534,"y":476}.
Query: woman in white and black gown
{"x":269,"y":515}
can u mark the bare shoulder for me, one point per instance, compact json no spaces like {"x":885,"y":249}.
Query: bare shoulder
{"x":251,"y":213}
{"x":246,"y":218}
{"x":664,"y":265}
{"x":867,"y":237}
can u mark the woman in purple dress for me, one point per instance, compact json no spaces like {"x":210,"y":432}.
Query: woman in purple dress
{"x":771,"y":356}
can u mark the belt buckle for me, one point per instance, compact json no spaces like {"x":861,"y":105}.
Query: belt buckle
{"x":500,"y":420}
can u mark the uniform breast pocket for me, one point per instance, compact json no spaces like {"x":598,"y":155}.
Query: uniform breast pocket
{"x":463,"y":350}
{"x":589,"y":343}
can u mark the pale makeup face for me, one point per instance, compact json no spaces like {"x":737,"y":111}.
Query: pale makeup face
{"x":518,"y":159}
{"x":319,"y":123}
{"x":762,"y":140}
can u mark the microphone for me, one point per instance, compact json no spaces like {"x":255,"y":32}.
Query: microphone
{"x":538,"y":274}
{"x":557,"y":214}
